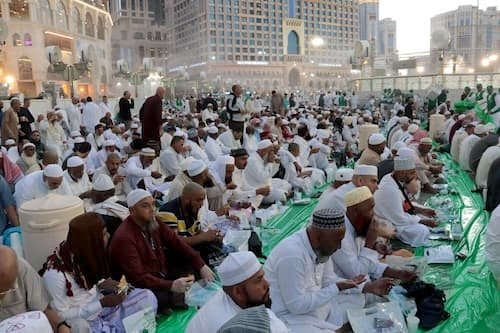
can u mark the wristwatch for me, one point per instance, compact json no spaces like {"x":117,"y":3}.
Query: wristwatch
{"x":62,"y":323}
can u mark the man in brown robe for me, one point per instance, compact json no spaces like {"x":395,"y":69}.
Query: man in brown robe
{"x":10,"y":121}
{"x":150,"y":116}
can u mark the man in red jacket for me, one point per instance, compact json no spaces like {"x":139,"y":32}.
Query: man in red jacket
{"x":139,"y":250}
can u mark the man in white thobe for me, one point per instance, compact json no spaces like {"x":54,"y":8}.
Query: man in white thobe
{"x":74,"y":115}
{"x":139,"y":173}
{"x":238,"y":271}
{"x":40,"y":183}
{"x":458,"y":138}
{"x":307,"y":295}
{"x":53,"y":133}
{"x":467,"y":144}
{"x":321,"y":160}
{"x":113,"y":169}
{"x":363,"y":175}
{"x":172,"y":157}
{"x":393,"y":205}
{"x":231,"y":139}
{"x":97,"y":159}
{"x":483,"y":169}
{"x":91,"y":115}
{"x":212,"y":146}
{"x":260,"y":170}
{"x":306,"y":153}
{"x":103,"y":200}
{"x":77,"y":179}
{"x":195,"y":150}
{"x":402,"y":132}
{"x":358,"y":254}
{"x":104,"y":106}
{"x":96,"y":138}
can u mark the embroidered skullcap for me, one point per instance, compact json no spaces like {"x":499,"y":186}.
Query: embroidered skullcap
{"x":357,"y":196}
{"x":135,"y":196}
{"x":328,"y":219}
{"x":148,"y":152}
{"x":365,"y":170}
{"x":403,"y":163}
{"x":238,"y":267}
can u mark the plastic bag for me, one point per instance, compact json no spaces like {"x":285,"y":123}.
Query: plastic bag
{"x":144,"y":320}
{"x":381,"y":318}
{"x":200,"y":293}
{"x":238,"y":239}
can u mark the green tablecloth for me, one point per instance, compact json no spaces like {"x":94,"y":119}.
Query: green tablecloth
{"x":472,"y":297}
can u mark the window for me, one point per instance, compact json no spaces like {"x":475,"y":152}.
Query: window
{"x":100,"y":28}
{"x":77,"y":23}
{"x":61,"y":15}
{"x":25,"y":69}
{"x":16,"y":40}
{"x":89,"y":26}
{"x":19,"y":9}
{"x":28,"y":41}
{"x":45,"y":13}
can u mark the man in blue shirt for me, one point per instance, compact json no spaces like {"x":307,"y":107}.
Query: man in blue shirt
{"x":8,"y":212}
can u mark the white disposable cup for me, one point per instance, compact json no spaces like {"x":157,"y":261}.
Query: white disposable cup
{"x":412,"y":322}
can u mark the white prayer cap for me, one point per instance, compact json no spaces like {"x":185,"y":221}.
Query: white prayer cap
{"x":75,"y":134}
{"x":227,"y":159}
{"x":406,"y":152}
{"x":376,"y":139}
{"x":365,"y":170}
{"x":222,"y":126}
{"x":74,"y":162}
{"x":322,"y":134}
{"x":103,"y":183}
{"x":179,"y":133}
{"x":398,"y":145}
{"x":357,"y":196}
{"x":284,"y":122}
{"x":212,"y":130}
{"x":149,"y":152}
{"x":462,"y":116}
{"x":238,"y":267}
{"x":196,"y":167}
{"x":412,"y":128}
{"x":53,"y":171}
{"x":347,"y":120}
{"x":135,"y":196}
{"x":264,"y":144}
{"x":184,"y":164}
{"x":403,"y":163}
{"x":122,"y":125}
{"x":134,"y":126}
{"x":109,"y":143}
{"x":9,"y":142}
{"x":29,"y":144}
{"x":426,"y":141}
{"x":79,"y":140}
{"x":404,"y":120}
{"x":344,"y":175}
{"x":447,"y":113}
{"x":480,"y":129}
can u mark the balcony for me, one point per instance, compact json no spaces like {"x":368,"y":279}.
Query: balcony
{"x":294,"y":58}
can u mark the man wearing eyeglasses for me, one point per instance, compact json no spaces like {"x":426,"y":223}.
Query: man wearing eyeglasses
{"x":22,"y":290}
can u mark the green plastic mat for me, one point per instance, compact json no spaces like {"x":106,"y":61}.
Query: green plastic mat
{"x":473,"y":300}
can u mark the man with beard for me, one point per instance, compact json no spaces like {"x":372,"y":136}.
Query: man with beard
{"x":376,"y":146}
{"x":260,"y":170}
{"x":137,"y":251}
{"x":96,"y":139}
{"x":98,"y":158}
{"x":41,"y":183}
{"x":232,"y":139}
{"x":352,"y":260}
{"x":39,"y":145}
{"x":77,"y":178}
{"x":113,"y":169}
{"x":10,"y":121}
{"x":28,"y":162}
{"x":243,"y":286}
{"x":139,"y":172}
{"x":195,"y":148}
{"x":25,"y":120}
{"x":306,"y":293}
{"x":172,"y":157}
{"x":182,"y":215}
{"x":150,"y":116}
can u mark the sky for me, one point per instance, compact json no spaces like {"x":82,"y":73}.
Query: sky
{"x":413,"y":19}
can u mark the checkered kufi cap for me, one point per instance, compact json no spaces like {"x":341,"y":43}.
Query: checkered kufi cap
{"x":328,"y":219}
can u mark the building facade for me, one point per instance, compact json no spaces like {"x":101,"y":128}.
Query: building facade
{"x":293,"y":44}
{"x":56,"y":45}
{"x":386,"y":40}
{"x":139,"y":37}
{"x":474,"y":36}
{"x":368,"y":19}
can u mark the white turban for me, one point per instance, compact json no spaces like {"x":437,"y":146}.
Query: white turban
{"x":238,"y":267}
{"x":196,"y":167}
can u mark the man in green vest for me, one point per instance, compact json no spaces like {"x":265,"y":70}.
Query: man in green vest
{"x":493,"y":105}
{"x":480,"y":96}
{"x":342,"y":100}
